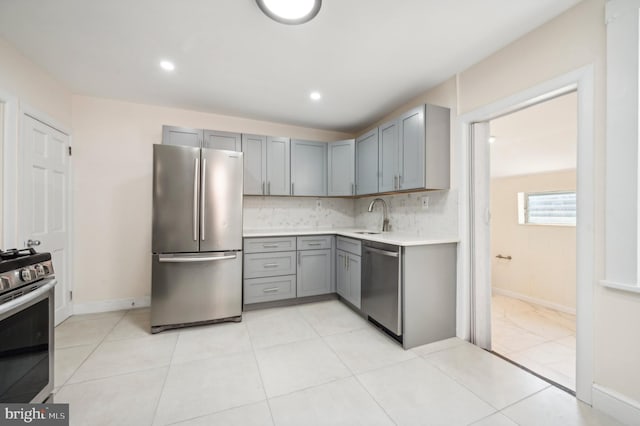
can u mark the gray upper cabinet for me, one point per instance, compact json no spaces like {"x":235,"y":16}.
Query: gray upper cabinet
{"x":254,"y":148}
{"x":278,"y":166}
{"x":198,"y":138}
{"x":388,"y":157}
{"x":367,"y":163}
{"x":341,"y":176}
{"x":221,"y":140}
{"x":308,"y":168}
{"x":266,"y":165}
{"x":411,"y":157}
{"x":181,"y":136}
{"x":437,"y":147}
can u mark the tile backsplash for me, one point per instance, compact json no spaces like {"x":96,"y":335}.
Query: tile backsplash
{"x":406,"y":214}
{"x":297,"y":212}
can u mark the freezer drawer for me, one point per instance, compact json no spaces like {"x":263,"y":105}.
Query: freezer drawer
{"x":188,"y":288}
{"x":269,"y":264}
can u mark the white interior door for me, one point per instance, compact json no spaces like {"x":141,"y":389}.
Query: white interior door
{"x":481,"y":232}
{"x":44,"y":200}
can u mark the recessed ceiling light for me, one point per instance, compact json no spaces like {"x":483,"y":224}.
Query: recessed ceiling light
{"x":315,"y":96}
{"x":492,"y":139}
{"x":290,"y":12}
{"x":167,"y":65}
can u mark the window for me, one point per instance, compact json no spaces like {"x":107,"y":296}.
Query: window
{"x":547,"y":208}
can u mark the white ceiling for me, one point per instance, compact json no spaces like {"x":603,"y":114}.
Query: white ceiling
{"x":367,"y":57}
{"x":539,"y":139}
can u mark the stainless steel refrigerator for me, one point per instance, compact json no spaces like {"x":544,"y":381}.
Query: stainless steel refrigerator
{"x":197,"y":236}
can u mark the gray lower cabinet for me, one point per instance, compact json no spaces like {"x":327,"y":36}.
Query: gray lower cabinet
{"x":308,"y":168}
{"x":270,"y":271}
{"x":367,"y":163}
{"x":314,"y":272}
{"x":341,"y":178}
{"x":315,"y":265}
{"x":348,"y":269}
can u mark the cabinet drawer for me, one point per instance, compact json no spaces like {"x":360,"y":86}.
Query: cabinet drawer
{"x":315,"y":242}
{"x":350,"y":245}
{"x":269,"y":264}
{"x":269,"y":244}
{"x":258,"y":290}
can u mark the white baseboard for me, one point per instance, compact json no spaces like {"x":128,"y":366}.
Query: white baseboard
{"x":111,"y":305}
{"x":618,"y":406}
{"x":541,"y":302}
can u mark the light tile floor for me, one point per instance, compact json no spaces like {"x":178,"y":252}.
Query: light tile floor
{"x":314,"y":364}
{"x":539,"y":338}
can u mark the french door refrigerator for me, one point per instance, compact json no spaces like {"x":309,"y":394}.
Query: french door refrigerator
{"x":196,"y":274}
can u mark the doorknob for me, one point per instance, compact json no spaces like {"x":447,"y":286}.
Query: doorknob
{"x":31,"y":243}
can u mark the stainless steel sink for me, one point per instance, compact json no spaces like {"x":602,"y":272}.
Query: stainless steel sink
{"x":367,"y":232}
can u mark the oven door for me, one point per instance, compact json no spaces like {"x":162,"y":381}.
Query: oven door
{"x":26,"y":346}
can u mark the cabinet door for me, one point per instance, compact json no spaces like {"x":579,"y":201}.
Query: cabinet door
{"x":314,"y":272}
{"x":388,"y":157}
{"x":308,"y":168}
{"x":367,"y":163}
{"x":342,"y":279}
{"x":181,"y":136}
{"x":221,"y":140}
{"x":254,"y":148}
{"x":341,"y":168}
{"x":354,"y":271}
{"x":412,"y":146}
{"x":278,"y":171}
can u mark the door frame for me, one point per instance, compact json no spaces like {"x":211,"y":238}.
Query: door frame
{"x":16,"y":180}
{"x":9,"y":171}
{"x":472,"y":314}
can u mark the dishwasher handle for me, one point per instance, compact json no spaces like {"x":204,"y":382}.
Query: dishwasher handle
{"x":382,"y":252}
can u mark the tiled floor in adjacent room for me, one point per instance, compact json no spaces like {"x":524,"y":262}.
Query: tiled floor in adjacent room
{"x":539,"y":338}
{"x":314,"y":364}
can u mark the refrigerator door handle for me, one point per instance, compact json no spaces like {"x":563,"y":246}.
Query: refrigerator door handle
{"x":202,"y":198}
{"x":196,"y":172}
{"x":187,"y":259}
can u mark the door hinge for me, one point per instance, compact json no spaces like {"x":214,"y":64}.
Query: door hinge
{"x":70,"y":296}
{"x":69,"y":151}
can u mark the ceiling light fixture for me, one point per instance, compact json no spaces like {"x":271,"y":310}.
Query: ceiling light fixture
{"x":315,"y":96}
{"x":167,"y":65}
{"x":290,"y":12}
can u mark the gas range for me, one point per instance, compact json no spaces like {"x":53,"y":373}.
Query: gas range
{"x":20,"y":268}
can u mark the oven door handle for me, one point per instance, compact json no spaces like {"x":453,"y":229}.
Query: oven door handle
{"x":23,"y":300}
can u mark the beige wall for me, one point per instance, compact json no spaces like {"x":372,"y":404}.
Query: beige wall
{"x":112,"y":188}
{"x":544,"y":257}
{"x":33,"y":86}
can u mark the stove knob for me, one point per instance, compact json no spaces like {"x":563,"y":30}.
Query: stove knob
{"x":25,"y":275}
{"x":39,"y":269}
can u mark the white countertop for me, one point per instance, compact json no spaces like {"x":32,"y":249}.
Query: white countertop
{"x":396,"y":238}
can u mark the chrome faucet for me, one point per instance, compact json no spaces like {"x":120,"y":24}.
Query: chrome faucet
{"x":385,"y":213}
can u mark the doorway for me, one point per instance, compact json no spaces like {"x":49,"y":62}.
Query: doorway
{"x":533,"y":238}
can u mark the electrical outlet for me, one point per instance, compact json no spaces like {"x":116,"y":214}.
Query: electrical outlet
{"x":425,"y":203}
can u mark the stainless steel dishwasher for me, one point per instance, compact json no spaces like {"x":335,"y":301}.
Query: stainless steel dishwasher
{"x":381,"y":286}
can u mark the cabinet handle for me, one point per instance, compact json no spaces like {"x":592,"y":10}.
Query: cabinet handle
{"x":345,"y":262}
{"x":269,"y":188}
{"x":314,"y":244}
{"x":292,"y":193}
{"x":269,"y":246}
{"x":299,"y":259}
{"x":400,"y":180}
{"x":270,"y":265}
{"x":263,"y":188}
{"x":353,"y":189}
{"x":395,"y":182}
{"x":271,"y":290}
